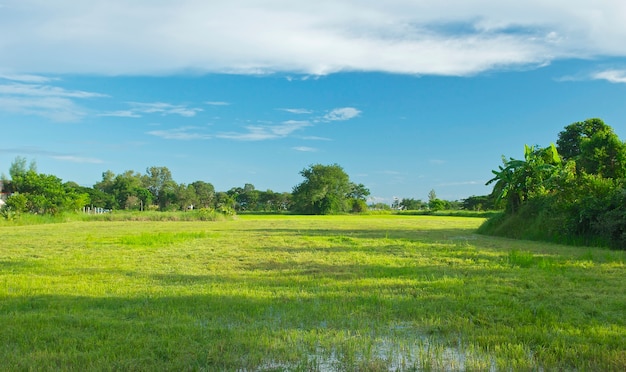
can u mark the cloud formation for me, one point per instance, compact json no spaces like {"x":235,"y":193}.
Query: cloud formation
{"x":305,"y":149}
{"x":341,"y":114}
{"x":456,"y":37}
{"x":138,"y":109}
{"x":257,"y":132}
{"x":612,"y":76}
{"x":29,"y":95}
{"x":77,"y":159}
{"x":164,"y":109}
{"x":298,"y":111}
{"x":266,"y":132}
{"x":183,"y":133}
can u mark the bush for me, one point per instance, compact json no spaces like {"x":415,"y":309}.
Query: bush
{"x":597,"y":219}
{"x":358,"y":206}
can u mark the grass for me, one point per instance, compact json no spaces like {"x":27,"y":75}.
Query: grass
{"x":274,"y":293}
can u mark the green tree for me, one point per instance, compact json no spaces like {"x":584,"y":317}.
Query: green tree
{"x":478,"y":203}
{"x":18,"y":167}
{"x":357,"y":198}
{"x":576,"y":196}
{"x":224,"y":203}
{"x":437,"y":205}
{"x":359,"y":191}
{"x":104,"y":197}
{"x":517,"y":180}
{"x":325,"y":190}
{"x":159,"y":181}
{"x":432,"y":195}
{"x":411,"y":204}
{"x":434,"y":203}
{"x":45,"y":194}
{"x":246,"y":198}
{"x":380,"y":206}
{"x":205,"y":194}
{"x":594,"y":147}
{"x":124,"y":190}
{"x":16,"y":203}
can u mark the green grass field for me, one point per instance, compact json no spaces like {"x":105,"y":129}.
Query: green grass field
{"x":304,"y":293}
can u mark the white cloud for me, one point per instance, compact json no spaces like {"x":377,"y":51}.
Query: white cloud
{"x":613,"y":76}
{"x":77,"y":159}
{"x":455,"y":37}
{"x":340,"y":114}
{"x":163,"y":109}
{"x":266,"y":132}
{"x":297,"y":111}
{"x":44,"y":91}
{"x":121,"y":114}
{"x":52,"y":102}
{"x":305,"y":149}
{"x":57,"y":109}
{"x":26,"y":78}
{"x":183,"y":133}
{"x":315,"y":138}
{"x":217,"y":103}
{"x":138,"y":109}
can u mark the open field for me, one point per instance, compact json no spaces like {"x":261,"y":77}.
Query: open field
{"x":273,"y":293}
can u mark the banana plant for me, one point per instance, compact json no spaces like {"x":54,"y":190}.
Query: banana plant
{"x":517,"y":180}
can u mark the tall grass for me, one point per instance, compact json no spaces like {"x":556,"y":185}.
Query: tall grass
{"x":204,"y":214}
{"x":274,"y":293}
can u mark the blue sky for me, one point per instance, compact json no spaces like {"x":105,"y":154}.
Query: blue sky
{"x":407,"y":96}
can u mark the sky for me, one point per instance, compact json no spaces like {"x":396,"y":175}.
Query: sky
{"x":407,"y":96}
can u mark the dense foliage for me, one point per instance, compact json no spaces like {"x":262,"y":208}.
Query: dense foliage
{"x":39,"y":193}
{"x":327,"y":190}
{"x":573,"y":192}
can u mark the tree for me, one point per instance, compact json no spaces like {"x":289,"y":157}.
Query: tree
{"x":160,"y":183}
{"x":380,"y":206}
{"x":18,"y":167}
{"x":359,"y":191}
{"x":434,"y":203}
{"x":478,"y":203}
{"x":246,"y":198}
{"x":594,"y":147}
{"x":575,"y":192}
{"x":16,"y":203}
{"x":223,"y":201}
{"x":357,"y":198}
{"x":124,"y":190}
{"x":437,"y":205}
{"x":44,"y":194}
{"x":103,"y":197}
{"x":325,"y":190}
{"x":411,"y":204}
{"x":205,"y":194}
{"x":517,"y":180}
{"x":185,"y":196}
{"x":432,"y":195}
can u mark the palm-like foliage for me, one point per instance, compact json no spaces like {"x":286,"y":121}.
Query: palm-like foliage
{"x":517,"y":180}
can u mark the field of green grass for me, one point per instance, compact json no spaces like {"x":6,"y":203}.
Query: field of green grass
{"x":304,"y":293}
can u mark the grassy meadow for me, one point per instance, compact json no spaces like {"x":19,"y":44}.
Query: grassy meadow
{"x":304,"y":293}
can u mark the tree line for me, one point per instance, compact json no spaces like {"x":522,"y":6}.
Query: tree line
{"x":327,"y":189}
{"x":571,"y":192}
